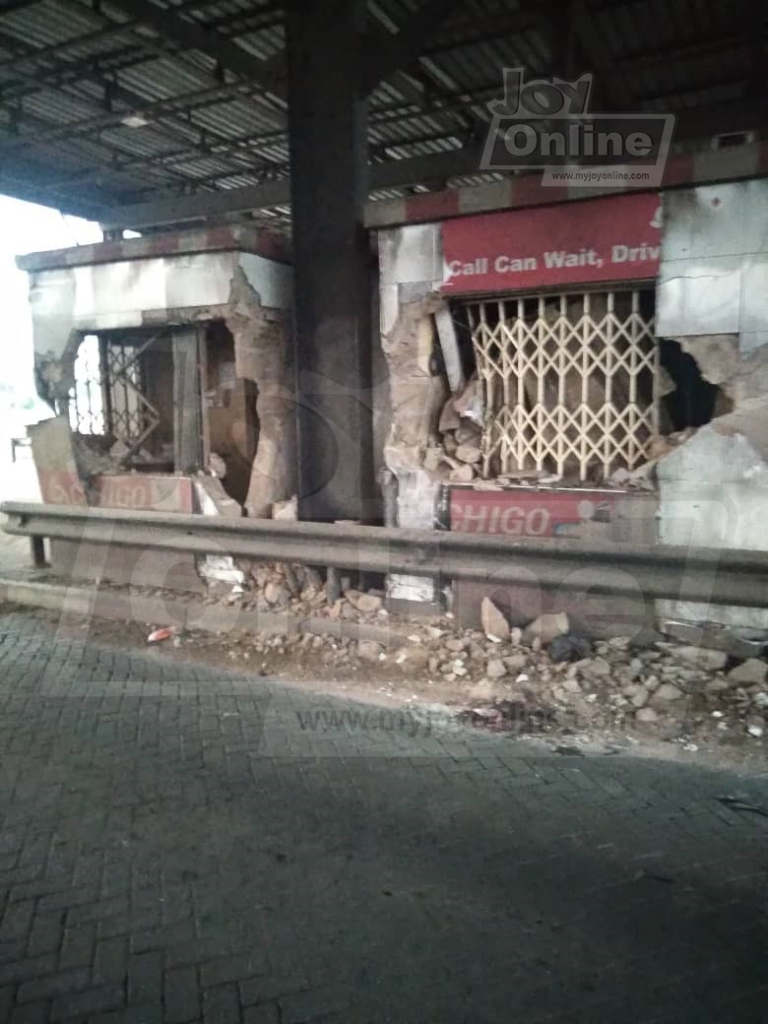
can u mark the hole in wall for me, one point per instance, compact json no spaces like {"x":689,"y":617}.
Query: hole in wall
{"x":694,"y":401}
{"x":232,"y":422}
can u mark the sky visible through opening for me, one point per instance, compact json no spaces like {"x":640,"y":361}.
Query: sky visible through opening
{"x":25,"y":228}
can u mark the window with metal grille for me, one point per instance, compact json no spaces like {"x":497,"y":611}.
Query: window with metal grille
{"x":86,"y":400}
{"x":570,"y":381}
{"x":132,"y":416}
{"x":109,"y":397}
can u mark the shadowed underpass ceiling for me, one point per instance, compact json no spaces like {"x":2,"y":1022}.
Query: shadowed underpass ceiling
{"x":111,"y":103}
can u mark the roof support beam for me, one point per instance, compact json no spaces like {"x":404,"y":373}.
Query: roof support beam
{"x":332,"y":309}
{"x":179,"y":209}
{"x":757,"y":21}
{"x":393,"y":174}
{"x":191,"y":35}
{"x":694,"y":122}
{"x":609,"y":79}
{"x":49,"y":66}
{"x":387,"y":53}
{"x":16,"y":5}
{"x":44,"y":193}
{"x":153,"y":111}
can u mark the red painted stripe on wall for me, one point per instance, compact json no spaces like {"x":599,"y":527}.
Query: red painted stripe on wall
{"x":432,"y":205}
{"x":679,"y":170}
{"x":527,"y":190}
{"x":731,"y":164}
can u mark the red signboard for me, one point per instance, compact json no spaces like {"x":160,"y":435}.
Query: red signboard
{"x":61,"y":487}
{"x":151,"y":493}
{"x":615,"y":238}
{"x":144,"y":492}
{"x":575,"y":513}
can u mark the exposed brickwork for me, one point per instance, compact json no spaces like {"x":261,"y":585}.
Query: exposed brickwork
{"x":176,"y":848}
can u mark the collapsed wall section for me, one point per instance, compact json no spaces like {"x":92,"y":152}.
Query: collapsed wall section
{"x":713,"y":302}
{"x":188,"y":371}
{"x":411,"y":275}
{"x":263,"y":355}
{"x":474,"y":370}
{"x":550,"y":386}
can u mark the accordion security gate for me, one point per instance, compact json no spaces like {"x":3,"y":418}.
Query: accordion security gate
{"x":570,"y":381}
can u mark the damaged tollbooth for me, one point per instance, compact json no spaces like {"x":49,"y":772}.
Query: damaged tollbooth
{"x":167,"y":362}
{"x":588,"y":371}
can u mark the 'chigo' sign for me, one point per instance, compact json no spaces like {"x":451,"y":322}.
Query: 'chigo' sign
{"x":615,"y":238}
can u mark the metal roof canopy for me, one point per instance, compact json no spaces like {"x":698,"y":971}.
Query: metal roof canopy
{"x":148,"y":112}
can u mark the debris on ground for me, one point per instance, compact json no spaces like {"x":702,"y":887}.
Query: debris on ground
{"x":515,"y":683}
{"x":738,"y":644}
{"x":542,"y":677}
{"x":547,"y":628}
{"x":164,"y":633}
{"x":751,"y":672}
{"x":569,"y":647}
{"x":495,"y":625}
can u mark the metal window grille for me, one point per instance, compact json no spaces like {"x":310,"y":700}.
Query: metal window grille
{"x":132,"y":416}
{"x":108,"y":396}
{"x":86,"y":399}
{"x":570,"y":381}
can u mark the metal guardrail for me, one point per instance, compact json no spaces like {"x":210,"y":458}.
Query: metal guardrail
{"x":689,"y":574}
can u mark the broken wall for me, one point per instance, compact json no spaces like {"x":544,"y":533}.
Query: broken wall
{"x":229,"y":413}
{"x":171,"y":283}
{"x":264,"y":355}
{"x":168,"y":283}
{"x":714,"y":493}
{"x":713,"y":277}
{"x":69,"y":301}
{"x":713,"y":300}
{"x":411,"y":274}
{"x":69,"y":475}
{"x":437,"y":414}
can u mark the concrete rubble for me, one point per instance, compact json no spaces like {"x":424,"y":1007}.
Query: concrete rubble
{"x":539,"y":679}
{"x":494,"y":623}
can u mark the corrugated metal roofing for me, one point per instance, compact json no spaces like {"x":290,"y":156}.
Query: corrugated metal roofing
{"x":97,"y":108}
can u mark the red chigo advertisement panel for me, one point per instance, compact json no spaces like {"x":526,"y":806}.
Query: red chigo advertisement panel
{"x":151,"y":493}
{"x":615,"y":238}
{"x":578,"y":514}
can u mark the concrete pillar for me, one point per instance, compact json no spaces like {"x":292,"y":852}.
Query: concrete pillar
{"x":332,"y":258}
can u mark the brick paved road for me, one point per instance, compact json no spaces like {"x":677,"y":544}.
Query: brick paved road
{"x":176,"y":847}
